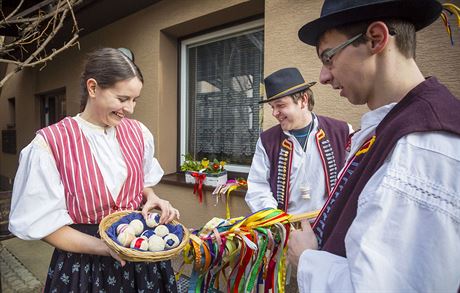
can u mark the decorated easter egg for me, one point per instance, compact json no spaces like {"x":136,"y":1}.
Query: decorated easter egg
{"x":121,"y":227}
{"x":125,"y":228}
{"x":152,"y":220}
{"x":138,"y":226}
{"x":147,"y":233}
{"x":140,"y":243}
{"x":171,"y":241}
{"x":161,"y":230}
{"x":156,"y":243}
{"x":125,"y":238}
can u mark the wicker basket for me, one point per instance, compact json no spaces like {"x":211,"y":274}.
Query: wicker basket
{"x":133,"y":255}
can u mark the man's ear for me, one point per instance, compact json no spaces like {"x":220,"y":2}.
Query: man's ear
{"x":304,"y":100}
{"x":378,"y":35}
{"x":91,"y":84}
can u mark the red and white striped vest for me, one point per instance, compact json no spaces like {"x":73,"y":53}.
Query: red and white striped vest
{"x":88,"y":198}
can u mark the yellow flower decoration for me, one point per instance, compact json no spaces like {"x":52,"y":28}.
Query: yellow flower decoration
{"x":205,"y":162}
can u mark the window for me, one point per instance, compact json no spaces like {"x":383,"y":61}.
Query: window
{"x":52,"y":108}
{"x":9,"y":134}
{"x":221,"y":76}
{"x":12,"y":113}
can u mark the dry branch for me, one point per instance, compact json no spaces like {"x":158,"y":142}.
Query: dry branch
{"x":37,"y":26}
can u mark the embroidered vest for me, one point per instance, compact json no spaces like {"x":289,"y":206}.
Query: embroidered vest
{"x":348,"y":170}
{"x":87,"y":197}
{"x":331,"y":138}
{"x":428,"y":107}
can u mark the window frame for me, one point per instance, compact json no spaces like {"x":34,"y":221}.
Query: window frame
{"x":252,"y":26}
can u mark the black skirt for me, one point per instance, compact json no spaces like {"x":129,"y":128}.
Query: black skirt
{"x":77,"y":272}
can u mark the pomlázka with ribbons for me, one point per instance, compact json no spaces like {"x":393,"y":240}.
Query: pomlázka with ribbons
{"x":248,"y":252}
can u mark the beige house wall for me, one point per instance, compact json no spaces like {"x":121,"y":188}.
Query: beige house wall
{"x":153,"y":34}
{"x":283,"y":18}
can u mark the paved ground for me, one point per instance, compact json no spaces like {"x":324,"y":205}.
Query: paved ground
{"x":23,"y":266}
{"x":15,"y":276}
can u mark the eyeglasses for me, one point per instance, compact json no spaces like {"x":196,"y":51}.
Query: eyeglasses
{"x":326,"y":56}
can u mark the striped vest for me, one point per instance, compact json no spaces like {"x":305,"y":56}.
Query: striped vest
{"x":88,"y":198}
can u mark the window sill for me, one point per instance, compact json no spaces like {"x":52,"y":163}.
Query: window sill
{"x":178,"y":179}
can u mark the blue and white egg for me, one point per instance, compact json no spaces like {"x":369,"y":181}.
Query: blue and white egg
{"x":152,"y":220}
{"x":171,"y":241}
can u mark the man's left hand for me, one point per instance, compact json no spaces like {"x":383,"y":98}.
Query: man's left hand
{"x":299,"y":241}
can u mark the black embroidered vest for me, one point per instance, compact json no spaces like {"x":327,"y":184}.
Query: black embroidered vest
{"x":331,"y":138}
{"x":428,"y":107}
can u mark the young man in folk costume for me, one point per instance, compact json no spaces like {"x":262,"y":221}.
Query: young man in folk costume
{"x":393,"y":222}
{"x":296,"y":162}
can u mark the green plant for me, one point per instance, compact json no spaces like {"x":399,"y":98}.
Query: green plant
{"x":204,"y":165}
{"x":190,"y":164}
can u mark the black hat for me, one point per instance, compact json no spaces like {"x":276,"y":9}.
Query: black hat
{"x":339,"y":12}
{"x":284,"y":82}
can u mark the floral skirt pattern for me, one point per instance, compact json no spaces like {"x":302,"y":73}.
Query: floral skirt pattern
{"x":76,"y":272}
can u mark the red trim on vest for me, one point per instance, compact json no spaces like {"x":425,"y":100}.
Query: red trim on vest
{"x":318,"y":137}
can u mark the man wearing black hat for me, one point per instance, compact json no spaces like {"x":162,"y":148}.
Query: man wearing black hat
{"x":393,"y":221}
{"x":296,"y":162}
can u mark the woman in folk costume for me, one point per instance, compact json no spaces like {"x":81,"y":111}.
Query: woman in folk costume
{"x":83,"y":168}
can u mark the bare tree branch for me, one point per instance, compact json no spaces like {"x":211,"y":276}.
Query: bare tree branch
{"x":35,"y":33}
{"x":13,"y":12}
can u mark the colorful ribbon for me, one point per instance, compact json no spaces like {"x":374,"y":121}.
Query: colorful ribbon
{"x":248,"y":252}
{"x":227,"y":188}
{"x":450,"y":9}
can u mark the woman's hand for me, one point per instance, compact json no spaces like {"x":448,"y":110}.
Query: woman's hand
{"x":113,"y":254}
{"x":168,"y":212}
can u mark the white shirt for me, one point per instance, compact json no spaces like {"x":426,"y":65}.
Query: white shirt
{"x":406,"y":234}
{"x":306,"y":171}
{"x":38,"y":206}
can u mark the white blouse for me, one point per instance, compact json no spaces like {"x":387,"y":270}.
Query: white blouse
{"x":38,"y":206}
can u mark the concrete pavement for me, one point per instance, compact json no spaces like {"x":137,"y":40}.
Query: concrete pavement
{"x":24,"y":264}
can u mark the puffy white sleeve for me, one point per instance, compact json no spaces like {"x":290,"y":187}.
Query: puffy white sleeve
{"x":152,"y":169}
{"x":259,"y":194}
{"x":38,"y":205}
{"x":406,"y":232}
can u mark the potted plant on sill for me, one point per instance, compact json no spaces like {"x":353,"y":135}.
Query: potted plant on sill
{"x":213,"y":172}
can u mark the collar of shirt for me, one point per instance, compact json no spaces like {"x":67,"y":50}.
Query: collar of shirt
{"x":93,"y":128}
{"x":373,"y":118}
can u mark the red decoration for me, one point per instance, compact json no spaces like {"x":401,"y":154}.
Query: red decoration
{"x":199,"y":179}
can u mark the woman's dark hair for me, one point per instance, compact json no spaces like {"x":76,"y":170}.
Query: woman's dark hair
{"x":107,"y":66}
